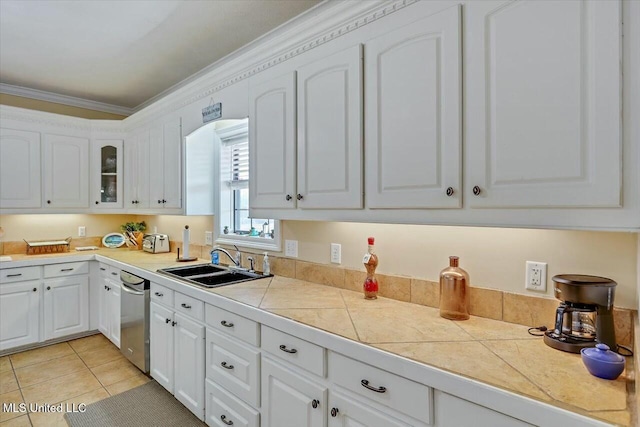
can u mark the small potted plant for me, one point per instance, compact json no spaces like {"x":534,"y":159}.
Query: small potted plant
{"x":133,"y":232}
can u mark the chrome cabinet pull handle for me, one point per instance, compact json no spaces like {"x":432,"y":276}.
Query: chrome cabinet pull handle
{"x":288,"y":197}
{"x":158,"y":294}
{"x":185,"y":305}
{"x":66,"y":269}
{"x":286,"y":350}
{"x":14,"y":275}
{"x":223,"y":418}
{"x":334,"y":412}
{"x":225,"y":366}
{"x":315,"y":403}
{"x":226,"y":324}
{"x":299,"y":196}
{"x":365,"y":384}
{"x":476,"y":190}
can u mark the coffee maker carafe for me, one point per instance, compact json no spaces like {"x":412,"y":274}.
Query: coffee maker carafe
{"x":585,"y":315}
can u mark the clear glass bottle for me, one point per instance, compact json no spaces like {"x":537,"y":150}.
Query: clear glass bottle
{"x":454,"y":291}
{"x":370,"y":261}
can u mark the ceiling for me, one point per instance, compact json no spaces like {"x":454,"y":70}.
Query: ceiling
{"x":124,"y":53}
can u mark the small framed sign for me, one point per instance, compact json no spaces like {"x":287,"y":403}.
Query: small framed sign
{"x":212,"y":112}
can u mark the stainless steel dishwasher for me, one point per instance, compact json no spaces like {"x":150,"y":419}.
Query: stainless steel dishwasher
{"x":134,"y":320}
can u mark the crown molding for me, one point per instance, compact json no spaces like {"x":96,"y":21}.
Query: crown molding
{"x":64,"y":99}
{"x":300,"y":35}
{"x":52,"y":120}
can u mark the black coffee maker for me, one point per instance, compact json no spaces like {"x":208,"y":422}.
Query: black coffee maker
{"x":585,"y":315}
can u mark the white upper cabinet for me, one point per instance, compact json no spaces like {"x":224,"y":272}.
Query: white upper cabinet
{"x":65,"y":169}
{"x":136,"y":160}
{"x":106,"y":170}
{"x":165,"y":154}
{"x":413,"y":115}
{"x":20,"y":169}
{"x":543,"y":105}
{"x":330,"y":132}
{"x":272,"y":143}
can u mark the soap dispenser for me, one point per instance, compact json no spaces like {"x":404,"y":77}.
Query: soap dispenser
{"x":266,"y":268}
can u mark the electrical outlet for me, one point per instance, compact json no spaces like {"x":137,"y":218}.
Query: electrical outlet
{"x":82,"y":231}
{"x":536,"y":276}
{"x":208,"y":238}
{"x":336,"y":253}
{"x":291,"y":248}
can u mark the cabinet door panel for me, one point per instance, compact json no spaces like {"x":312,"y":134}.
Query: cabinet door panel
{"x":103,"y":313}
{"x":287,"y":398}
{"x":114,"y":312}
{"x":272,"y":143}
{"x":66,"y":306}
{"x":66,"y":171}
{"x":19,"y":169}
{"x":172,"y":163}
{"x":451,"y":411}
{"x":413,"y":129}
{"x":330,"y":131}
{"x":107,"y":173}
{"x":189,"y":364}
{"x":137,"y":171}
{"x":543,"y":107}
{"x":19,"y":314}
{"x":351,"y":413}
{"x":161,"y":345}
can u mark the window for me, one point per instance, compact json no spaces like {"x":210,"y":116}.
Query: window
{"x":233,"y":223}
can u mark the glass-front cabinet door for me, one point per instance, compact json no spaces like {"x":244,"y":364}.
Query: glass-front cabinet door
{"x":107,"y":167}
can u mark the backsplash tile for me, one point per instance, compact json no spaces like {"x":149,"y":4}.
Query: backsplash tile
{"x":527,"y":310}
{"x":623,"y":321}
{"x":283,"y":267}
{"x":319,"y":273}
{"x":354,"y":280}
{"x":425,"y":292}
{"x":395,"y":287}
{"x":486,"y":303}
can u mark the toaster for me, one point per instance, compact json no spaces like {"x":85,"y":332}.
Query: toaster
{"x":155,"y":243}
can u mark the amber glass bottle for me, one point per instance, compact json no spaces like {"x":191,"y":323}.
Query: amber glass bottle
{"x":370,"y":261}
{"x":454,"y":291}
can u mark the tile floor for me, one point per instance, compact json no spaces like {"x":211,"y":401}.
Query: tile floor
{"x":81,"y":371}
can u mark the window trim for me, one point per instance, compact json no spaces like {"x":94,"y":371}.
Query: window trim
{"x":219,"y":238}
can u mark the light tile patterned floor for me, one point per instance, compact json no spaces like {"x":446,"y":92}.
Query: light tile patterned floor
{"x":81,"y":371}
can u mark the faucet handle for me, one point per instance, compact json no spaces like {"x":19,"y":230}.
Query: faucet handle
{"x":238,"y":256}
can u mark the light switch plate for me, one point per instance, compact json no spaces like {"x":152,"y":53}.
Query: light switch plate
{"x":82,"y":231}
{"x":291,"y":248}
{"x":208,"y":238}
{"x":336,"y":253}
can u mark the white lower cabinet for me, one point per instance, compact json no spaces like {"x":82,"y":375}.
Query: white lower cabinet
{"x":66,"y":306}
{"x":19,"y":313}
{"x":451,"y":411}
{"x":109,"y":315}
{"x":347,"y":411}
{"x":223,"y":409}
{"x":177,"y":356}
{"x":290,"y":398}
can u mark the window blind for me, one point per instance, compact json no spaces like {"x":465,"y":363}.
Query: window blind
{"x":235,"y":160}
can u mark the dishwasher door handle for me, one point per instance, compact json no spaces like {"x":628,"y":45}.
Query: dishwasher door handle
{"x":131,"y":291}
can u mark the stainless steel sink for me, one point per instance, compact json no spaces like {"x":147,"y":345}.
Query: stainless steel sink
{"x":209,"y":275}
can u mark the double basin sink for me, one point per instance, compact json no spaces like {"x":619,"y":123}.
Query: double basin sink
{"x":209,"y":275}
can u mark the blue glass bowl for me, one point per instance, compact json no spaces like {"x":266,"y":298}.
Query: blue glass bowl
{"x":602,"y":362}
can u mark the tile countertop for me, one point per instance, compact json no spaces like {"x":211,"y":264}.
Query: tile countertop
{"x":491,"y":352}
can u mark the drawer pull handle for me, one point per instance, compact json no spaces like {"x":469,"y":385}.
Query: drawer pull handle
{"x":334,"y":412}
{"x":66,"y":269}
{"x":174,"y":323}
{"x":365,"y":384}
{"x":225,"y":366}
{"x":287,"y":350}
{"x":158,"y":294}
{"x":114,"y":273}
{"x":185,"y":305}
{"x":14,"y":275}
{"x":167,"y":320}
{"x":226,"y":324}
{"x":315,"y":403}
{"x":103,"y":269}
{"x":223,"y":418}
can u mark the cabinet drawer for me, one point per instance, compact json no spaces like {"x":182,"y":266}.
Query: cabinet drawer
{"x":104,"y":269}
{"x":294,"y":350}
{"x":188,"y":305}
{"x":232,"y":324}
{"x":234,"y":366}
{"x":161,"y":294}
{"x":223,"y":409}
{"x":19,"y":274}
{"x":398,"y":393}
{"x":66,"y":269}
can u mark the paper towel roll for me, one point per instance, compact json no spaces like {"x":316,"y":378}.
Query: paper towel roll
{"x":185,"y":242}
